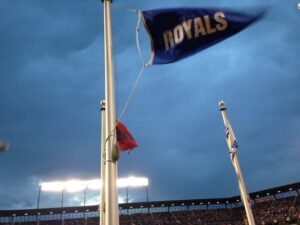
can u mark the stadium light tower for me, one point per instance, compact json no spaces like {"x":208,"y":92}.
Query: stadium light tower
{"x":133,"y":182}
{"x":84,"y":185}
{"x":38,"y":205}
{"x":80,"y":185}
{"x":62,"y":205}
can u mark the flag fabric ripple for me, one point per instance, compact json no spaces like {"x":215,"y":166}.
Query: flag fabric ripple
{"x":181,"y":32}
{"x":125,"y":140}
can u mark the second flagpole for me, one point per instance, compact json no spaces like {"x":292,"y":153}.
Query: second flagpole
{"x":233,"y":155}
{"x":102,"y":165}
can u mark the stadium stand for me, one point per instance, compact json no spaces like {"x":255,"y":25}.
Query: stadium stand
{"x":274,"y":206}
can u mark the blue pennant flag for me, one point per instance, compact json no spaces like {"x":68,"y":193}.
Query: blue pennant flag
{"x":178,"y":33}
{"x":231,"y":140}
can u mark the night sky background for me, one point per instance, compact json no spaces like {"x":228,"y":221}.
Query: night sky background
{"x":52,"y":80}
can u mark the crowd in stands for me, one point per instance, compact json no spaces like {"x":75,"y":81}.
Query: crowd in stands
{"x":268,"y":212}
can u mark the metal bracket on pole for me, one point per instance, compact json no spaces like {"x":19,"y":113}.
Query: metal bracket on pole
{"x":102,"y":103}
{"x":115,"y":153}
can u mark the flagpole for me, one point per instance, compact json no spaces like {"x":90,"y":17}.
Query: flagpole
{"x":244,"y":195}
{"x":102,"y":168}
{"x":233,"y":155}
{"x":111,"y":192}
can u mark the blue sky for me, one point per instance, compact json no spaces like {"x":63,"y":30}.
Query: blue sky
{"x":52,"y":80}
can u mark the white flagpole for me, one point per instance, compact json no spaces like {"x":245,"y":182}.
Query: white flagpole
{"x":233,"y":155}
{"x":102,"y":166}
{"x":111,"y":192}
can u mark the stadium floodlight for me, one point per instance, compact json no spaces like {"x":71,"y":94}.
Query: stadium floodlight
{"x":52,"y":186}
{"x":74,"y":185}
{"x":133,"y":182}
{"x":95,"y":184}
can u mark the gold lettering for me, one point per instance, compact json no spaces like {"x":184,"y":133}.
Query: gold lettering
{"x":222,"y":22}
{"x":178,"y":34}
{"x":209,"y":29}
{"x":187,"y":25}
{"x":199,"y":27}
{"x":168,"y":39}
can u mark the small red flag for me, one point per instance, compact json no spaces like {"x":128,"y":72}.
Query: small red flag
{"x":125,"y":140}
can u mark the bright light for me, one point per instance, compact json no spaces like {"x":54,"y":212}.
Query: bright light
{"x":52,"y":186}
{"x":93,"y":184}
{"x":79,"y":185}
{"x":74,"y":185}
{"x":133,"y":182}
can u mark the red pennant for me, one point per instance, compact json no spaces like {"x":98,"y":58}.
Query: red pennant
{"x":125,"y":140}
